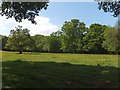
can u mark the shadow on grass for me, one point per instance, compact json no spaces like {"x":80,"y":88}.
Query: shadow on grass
{"x":23,"y":74}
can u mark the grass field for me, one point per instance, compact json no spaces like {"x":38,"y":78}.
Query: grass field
{"x":51,"y":70}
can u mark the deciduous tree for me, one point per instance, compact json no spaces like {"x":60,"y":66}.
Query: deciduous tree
{"x":3,"y":41}
{"x":23,"y":10}
{"x":113,"y":7}
{"x":94,"y":38}
{"x":72,"y":36}
{"x":18,"y":39}
{"x":112,"y":39}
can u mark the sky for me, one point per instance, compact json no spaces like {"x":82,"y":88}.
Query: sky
{"x":52,"y":19}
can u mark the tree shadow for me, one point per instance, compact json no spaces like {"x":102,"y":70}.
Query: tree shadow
{"x":24,"y":74}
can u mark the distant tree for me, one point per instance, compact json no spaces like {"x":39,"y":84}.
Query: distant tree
{"x":3,"y":40}
{"x":56,"y":34}
{"x":72,"y":36}
{"x":113,"y":7}
{"x":23,"y":10}
{"x":46,"y":45}
{"x":54,"y":43}
{"x":18,"y":39}
{"x":112,"y":39}
{"x":51,"y":43}
{"x":37,"y":43}
{"x":94,"y":38}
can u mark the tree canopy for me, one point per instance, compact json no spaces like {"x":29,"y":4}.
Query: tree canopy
{"x":23,"y":10}
{"x":18,"y":39}
{"x":112,"y":39}
{"x":113,"y":7}
{"x":73,"y":37}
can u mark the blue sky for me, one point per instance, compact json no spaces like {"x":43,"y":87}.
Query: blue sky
{"x":52,"y":19}
{"x":87,"y":12}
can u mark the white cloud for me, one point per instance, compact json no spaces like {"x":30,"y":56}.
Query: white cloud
{"x":44,"y":26}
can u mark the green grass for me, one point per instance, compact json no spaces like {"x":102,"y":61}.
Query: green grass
{"x":87,"y":59}
{"x":51,"y":70}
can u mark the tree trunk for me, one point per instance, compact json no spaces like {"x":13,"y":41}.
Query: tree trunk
{"x":20,"y":50}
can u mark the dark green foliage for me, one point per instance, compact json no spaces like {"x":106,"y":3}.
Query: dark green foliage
{"x":113,"y":7}
{"x":3,"y":41}
{"x":54,"y":43}
{"x":23,"y":10}
{"x":72,"y":36}
{"x":94,"y":38}
{"x":18,"y":39}
{"x":112,"y":39}
{"x":37,"y":43}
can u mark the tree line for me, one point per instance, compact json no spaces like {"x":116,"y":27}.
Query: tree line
{"x":74,"y":37}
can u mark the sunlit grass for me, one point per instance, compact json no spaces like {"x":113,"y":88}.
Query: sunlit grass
{"x":87,"y":59}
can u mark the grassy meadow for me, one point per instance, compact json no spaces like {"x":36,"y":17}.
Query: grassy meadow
{"x":55,"y":70}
